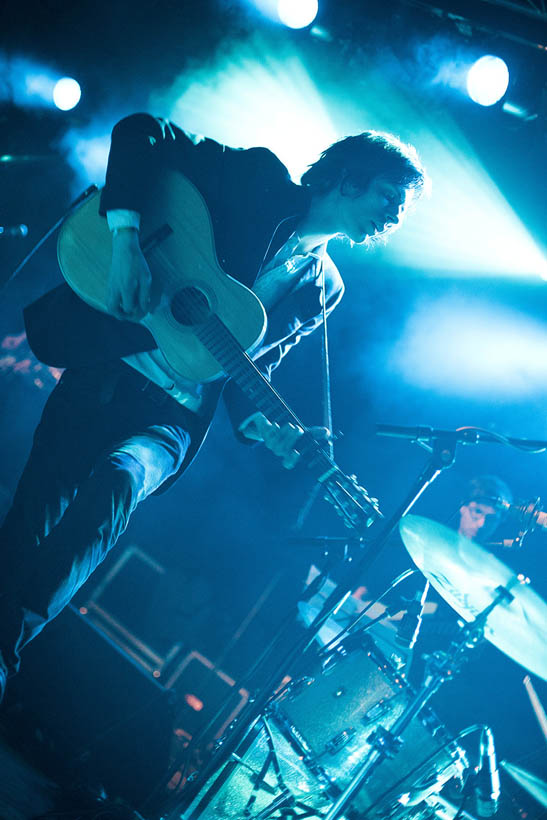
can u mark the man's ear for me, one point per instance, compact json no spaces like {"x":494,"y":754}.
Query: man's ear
{"x":349,"y":188}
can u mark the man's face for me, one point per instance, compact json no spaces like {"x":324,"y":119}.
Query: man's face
{"x":477,"y":519}
{"x":372,"y":211}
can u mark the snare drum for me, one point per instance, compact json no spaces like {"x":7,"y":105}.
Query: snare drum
{"x":329,"y":715}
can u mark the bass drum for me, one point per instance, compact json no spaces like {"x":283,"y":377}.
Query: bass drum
{"x":329,"y":716}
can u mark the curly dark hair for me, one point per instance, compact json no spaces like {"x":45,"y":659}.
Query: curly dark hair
{"x":488,"y":489}
{"x":361,"y":158}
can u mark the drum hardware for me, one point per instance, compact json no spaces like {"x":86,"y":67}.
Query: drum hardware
{"x":353,"y":642}
{"x":440,"y":666}
{"x":442,"y":456}
{"x":356,"y":641}
{"x":376,"y":712}
{"x":329,"y":723}
{"x":340,"y":740}
{"x":447,"y":759}
{"x":528,"y":516}
{"x":296,"y":740}
{"x":285,"y":798}
{"x":317,"y":758}
{"x":472,"y":580}
{"x":443,"y":453}
{"x":294,"y":687}
{"x":257,"y":777}
{"x":267,"y":779}
{"x":336,"y":632}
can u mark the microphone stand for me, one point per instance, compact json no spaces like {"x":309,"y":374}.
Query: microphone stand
{"x":464,"y":435}
{"x":79,"y":199}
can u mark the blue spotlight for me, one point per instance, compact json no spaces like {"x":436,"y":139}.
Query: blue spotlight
{"x":297,"y":13}
{"x":67,"y":93}
{"x":487,"y":80}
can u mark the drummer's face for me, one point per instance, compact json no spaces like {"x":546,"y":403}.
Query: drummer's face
{"x":474,"y":516}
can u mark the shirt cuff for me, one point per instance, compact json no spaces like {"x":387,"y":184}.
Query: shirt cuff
{"x":121,"y":218}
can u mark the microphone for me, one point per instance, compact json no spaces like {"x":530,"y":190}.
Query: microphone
{"x":487,"y":778}
{"x":529,"y":516}
{"x":409,"y":628}
{"x":14,"y":230}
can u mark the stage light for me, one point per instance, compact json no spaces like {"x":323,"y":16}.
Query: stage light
{"x":67,"y":93}
{"x":468,"y":227}
{"x":254,"y":96}
{"x":297,"y":13}
{"x":487,"y":80}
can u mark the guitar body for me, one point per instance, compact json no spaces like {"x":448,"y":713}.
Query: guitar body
{"x":178,"y":242}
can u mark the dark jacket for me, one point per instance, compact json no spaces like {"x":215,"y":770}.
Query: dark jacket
{"x":254,"y":207}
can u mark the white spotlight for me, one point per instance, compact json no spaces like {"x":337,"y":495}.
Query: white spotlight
{"x":67,"y":93}
{"x":297,"y":13}
{"x":487,"y":80}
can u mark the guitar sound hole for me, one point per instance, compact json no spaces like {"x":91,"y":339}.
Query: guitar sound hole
{"x":190,"y":306}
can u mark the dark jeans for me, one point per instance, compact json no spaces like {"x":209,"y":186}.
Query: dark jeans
{"x":103,"y":445}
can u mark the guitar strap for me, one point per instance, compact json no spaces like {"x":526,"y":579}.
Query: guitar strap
{"x":327,"y":407}
{"x":326,"y":382}
{"x":287,"y":226}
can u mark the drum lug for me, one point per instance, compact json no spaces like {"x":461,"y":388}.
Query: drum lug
{"x":340,"y":740}
{"x":296,"y":687}
{"x":377,"y":711}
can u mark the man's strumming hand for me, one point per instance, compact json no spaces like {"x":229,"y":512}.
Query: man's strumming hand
{"x":130,"y":283}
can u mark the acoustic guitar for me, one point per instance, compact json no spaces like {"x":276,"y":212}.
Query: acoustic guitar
{"x":205,"y":323}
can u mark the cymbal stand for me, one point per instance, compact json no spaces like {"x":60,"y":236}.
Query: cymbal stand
{"x":440,"y":667}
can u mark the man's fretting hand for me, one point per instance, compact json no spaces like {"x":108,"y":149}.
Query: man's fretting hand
{"x":130,"y":284}
{"x":282,"y":441}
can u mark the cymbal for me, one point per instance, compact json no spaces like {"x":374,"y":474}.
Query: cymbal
{"x":467,"y":576}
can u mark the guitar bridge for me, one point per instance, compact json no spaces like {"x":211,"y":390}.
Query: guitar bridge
{"x":155,"y":238}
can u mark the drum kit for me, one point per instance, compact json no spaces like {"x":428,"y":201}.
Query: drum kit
{"x":346,"y":736}
{"x":349,"y":737}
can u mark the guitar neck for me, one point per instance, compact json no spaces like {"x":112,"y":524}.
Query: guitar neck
{"x":239,"y":366}
{"x":350,"y":500}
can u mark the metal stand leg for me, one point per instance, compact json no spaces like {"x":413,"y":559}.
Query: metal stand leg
{"x":441,"y":666}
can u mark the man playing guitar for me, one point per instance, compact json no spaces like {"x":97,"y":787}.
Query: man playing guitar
{"x":131,"y":410}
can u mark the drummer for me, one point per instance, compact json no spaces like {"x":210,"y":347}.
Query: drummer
{"x":483,"y":507}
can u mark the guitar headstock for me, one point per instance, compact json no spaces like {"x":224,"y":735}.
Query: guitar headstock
{"x":350,"y":499}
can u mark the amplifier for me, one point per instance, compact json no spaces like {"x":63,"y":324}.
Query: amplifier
{"x":133,"y":607}
{"x":120,"y":606}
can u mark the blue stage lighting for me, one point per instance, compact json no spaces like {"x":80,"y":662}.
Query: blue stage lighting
{"x":487,"y":80}
{"x":470,"y":347}
{"x":297,"y":13}
{"x":67,"y":93}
